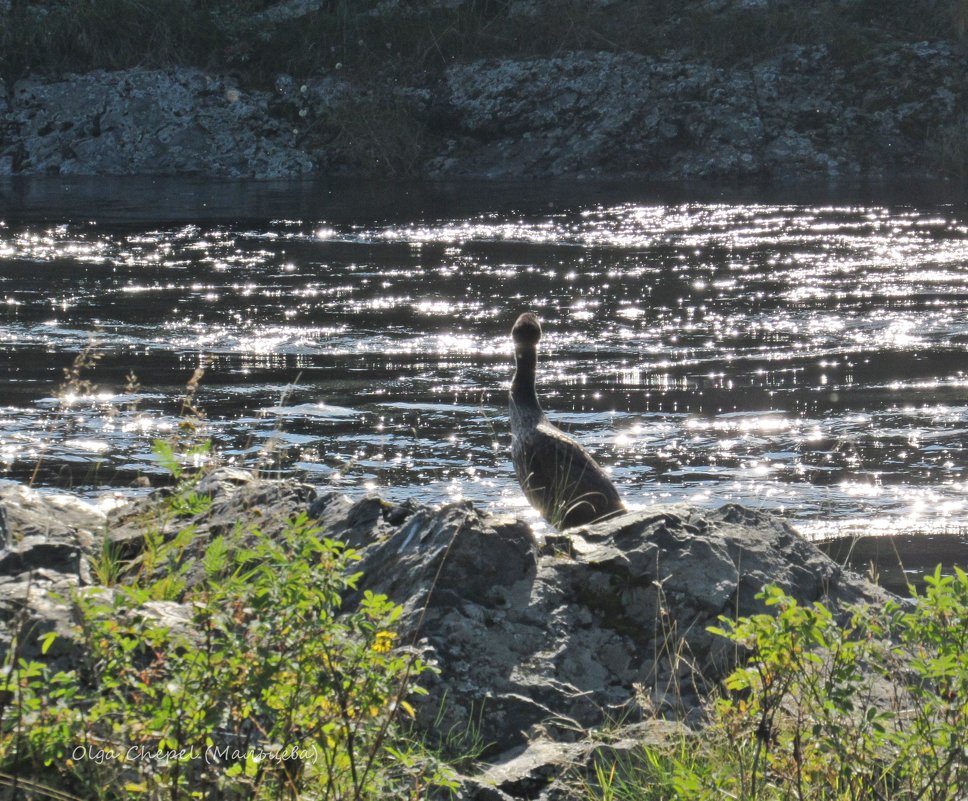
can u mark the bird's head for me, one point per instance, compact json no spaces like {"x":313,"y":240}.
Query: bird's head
{"x":527,"y":330}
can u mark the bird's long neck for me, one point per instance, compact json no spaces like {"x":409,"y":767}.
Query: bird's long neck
{"x":525,"y":408}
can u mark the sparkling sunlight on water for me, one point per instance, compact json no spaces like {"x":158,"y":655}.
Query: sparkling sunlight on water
{"x":809,"y":358}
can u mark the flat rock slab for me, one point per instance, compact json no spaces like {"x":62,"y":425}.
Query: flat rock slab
{"x":550,"y":770}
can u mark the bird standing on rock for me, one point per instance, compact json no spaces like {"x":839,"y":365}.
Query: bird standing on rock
{"x":559,"y":477}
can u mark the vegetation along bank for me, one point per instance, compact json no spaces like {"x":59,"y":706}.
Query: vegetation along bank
{"x":241,"y":637}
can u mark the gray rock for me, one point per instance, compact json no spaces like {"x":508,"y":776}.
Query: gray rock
{"x":574,"y":635}
{"x":287,"y":10}
{"x":285,"y":84}
{"x":451,"y":557}
{"x":535,"y":646}
{"x":240,"y":503}
{"x":150,"y":122}
{"x":597,"y":113}
{"x":549,"y":770}
{"x":224,"y":481}
{"x":48,"y":541}
{"x":56,"y":532}
{"x":525,"y":773}
{"x":37,"y":552}
{"x":177,"y":618}
{"x":799,"y":112}
{"x":357,"y":524}
{"x":27,"y":513}
{"x":32,"y":605}
{"x":330,"y":509}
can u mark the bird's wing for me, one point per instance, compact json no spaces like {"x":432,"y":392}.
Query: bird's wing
{"x":563,"y":480}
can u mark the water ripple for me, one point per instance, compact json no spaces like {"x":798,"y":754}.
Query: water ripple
{"x":804,"y":357}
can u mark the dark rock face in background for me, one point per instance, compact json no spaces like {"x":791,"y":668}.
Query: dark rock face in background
{"x":143,"y":122}
{"x":798,"y":113}
{"x":793,"y":115}
{"x":536,"y":642}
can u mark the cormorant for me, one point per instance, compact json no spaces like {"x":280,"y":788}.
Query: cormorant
{"x":559,"y":477}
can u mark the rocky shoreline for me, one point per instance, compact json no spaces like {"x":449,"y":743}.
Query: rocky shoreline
{"x":798,"y":111}
{"x":538,"y":645}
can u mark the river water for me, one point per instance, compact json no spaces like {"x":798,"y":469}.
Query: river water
{"x":803,"y":350}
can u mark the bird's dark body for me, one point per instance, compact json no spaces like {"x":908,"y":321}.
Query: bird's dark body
{"x":558,"y":476}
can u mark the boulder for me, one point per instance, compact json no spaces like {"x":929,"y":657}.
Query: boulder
{"x":609,"y":620}
{"x":32,"y":604}
{"x":358,"y":524}
{"x":232,"y":501}
{"x":47,"y":544}
{"x":37,"y":552}
{"x":50,"y":536}
{"x":451,"y":557}
{"x":27,"y":515}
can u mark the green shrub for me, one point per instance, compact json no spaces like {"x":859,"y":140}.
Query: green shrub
{"x":267,"y":688}
{"x":873,"y":708}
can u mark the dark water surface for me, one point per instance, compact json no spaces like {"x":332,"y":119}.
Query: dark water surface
{"x":800,"y":349}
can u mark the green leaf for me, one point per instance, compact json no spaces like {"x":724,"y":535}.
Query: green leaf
{"x":167,"y":457}
{"x":47,"y":640}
